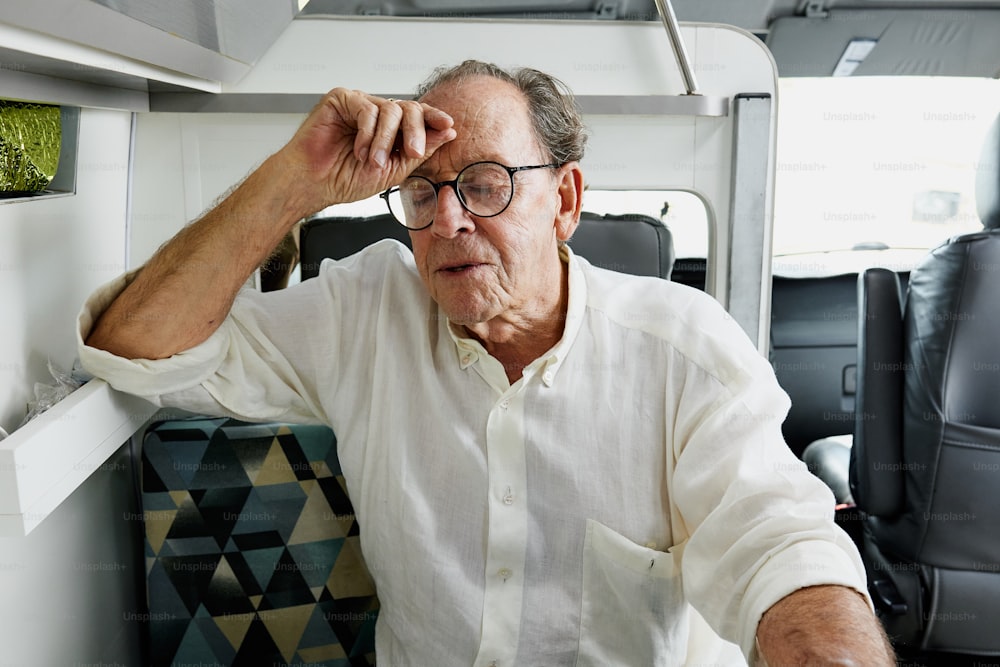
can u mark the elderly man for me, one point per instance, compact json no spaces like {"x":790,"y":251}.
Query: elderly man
{"x":552,"y":464}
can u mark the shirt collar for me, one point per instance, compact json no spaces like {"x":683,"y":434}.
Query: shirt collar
{"x":469,"y":350}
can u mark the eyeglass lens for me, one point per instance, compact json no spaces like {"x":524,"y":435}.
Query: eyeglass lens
{"x":485,"y":189}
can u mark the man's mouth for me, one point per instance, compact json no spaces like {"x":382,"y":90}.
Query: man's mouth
{"x":458,"y":268}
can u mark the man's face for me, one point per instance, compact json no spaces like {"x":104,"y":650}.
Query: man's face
{"x":478,"y":269}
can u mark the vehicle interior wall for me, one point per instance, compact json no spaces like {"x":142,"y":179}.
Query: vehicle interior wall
{"x":73,"y":588}
{"x":205,"y":153}
{"x":53,"y":253}
{"x":69,"y":585}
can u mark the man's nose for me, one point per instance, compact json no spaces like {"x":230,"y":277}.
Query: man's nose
{"x":450,"y":218}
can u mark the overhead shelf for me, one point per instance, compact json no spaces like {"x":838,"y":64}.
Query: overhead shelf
{"x":111,"y":53}
{"x":214,"y":40}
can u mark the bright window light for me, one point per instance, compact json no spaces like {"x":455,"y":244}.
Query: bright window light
{"x":868,"y":162}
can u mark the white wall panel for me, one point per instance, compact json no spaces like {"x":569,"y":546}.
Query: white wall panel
{"x":185,"y":162}
{"x":53,"y":253}
{"x":70,"y":594}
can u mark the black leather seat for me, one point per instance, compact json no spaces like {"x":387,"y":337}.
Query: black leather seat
{"x":630,"y":243}
{"x":925,"y":464}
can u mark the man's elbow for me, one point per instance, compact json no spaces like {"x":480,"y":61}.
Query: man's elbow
{"x":126,"y":340}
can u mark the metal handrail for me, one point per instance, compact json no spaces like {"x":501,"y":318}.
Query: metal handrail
{"x":677,"y":44}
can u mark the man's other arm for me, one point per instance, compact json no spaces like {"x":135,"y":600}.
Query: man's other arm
{"x":342,"y":152}
{"x":822,"y":625}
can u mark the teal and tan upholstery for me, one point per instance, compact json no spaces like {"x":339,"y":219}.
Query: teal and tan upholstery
{"x":252,"y":553}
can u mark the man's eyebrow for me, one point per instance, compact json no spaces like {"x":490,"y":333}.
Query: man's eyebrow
{"x":422,"y":169}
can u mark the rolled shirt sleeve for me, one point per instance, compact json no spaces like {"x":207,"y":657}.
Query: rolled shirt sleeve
{"x":275,"y":357}
{"x":761,"y":525}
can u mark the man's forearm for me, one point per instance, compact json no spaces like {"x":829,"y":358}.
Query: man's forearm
{"x":181,"y":296}
{"x":342,"y":152}
{"x":822,"y":625}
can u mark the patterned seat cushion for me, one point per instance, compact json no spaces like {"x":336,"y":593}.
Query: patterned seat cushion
{"x":252,"y":552}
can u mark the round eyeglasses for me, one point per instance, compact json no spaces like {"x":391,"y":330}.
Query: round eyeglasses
{"x":485,"y":189}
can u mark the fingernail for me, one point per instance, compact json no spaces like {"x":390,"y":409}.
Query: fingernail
{"x":417,"y":147}
{"x":363,"y":154}
{"x":380,"y":157}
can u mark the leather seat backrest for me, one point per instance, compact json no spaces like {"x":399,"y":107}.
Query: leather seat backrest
{"x":339,"y":237}
{"x":935,"y":493}
{"x":876,"y":455}
{"x":926,"y":454}
{"x":629,"y":243}
{"x":951,"y":424}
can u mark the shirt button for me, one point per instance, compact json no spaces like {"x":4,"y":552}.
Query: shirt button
{"x":504,"y":573}
{"x":547,"y":377}
{"x":508,"y":497}
{"x":466,"y":358}
{"x":505,"y":403}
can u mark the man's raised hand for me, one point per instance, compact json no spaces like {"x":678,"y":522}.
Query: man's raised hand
{"x":354,"y":145}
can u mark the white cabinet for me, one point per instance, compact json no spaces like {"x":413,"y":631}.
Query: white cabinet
{"x":113,"y":52}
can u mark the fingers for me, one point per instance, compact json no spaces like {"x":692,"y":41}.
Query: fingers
{"x":424,"y":129}
{"x":365,"y":115}
{"x":354,"y":145}
{"x":439,"y":129}
{"x":414,"y":137}
{"x":385,"y":126}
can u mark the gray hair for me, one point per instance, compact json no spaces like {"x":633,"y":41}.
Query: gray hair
{"x":554,"y":115}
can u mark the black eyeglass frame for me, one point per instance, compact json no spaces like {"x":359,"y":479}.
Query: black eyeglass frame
{"x":454,"y":186}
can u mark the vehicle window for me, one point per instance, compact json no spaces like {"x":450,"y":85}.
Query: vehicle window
{"x":875,"y":170}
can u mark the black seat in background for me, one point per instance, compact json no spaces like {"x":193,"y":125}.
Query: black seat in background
{"x":814,"y":339}
{"x":339,"y":237}
{"x":630,"y":243}
{"x":690,"y":271}
{"x":926,"y":452}
{"x":814,"y":336}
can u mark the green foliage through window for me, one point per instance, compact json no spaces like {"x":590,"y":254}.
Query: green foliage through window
{"x":30,"y":140}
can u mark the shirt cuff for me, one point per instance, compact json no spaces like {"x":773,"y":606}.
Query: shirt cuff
{"x":808,"y":563}
{"x":147,"y":378}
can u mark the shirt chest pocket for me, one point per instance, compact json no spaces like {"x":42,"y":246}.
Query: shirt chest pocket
{"x":633,"y":610}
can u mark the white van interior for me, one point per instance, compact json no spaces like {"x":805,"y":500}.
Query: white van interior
{"x":772,"y":153}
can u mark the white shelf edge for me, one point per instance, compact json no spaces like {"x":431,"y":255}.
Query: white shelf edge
{"x":47,"y":459}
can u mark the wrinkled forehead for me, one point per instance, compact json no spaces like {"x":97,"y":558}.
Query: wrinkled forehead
{"x":492,"y":122}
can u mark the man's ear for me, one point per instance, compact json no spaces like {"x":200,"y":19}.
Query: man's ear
{"x":570,"y":200}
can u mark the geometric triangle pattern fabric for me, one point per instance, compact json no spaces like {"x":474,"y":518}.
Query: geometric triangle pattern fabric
{"x":251,"y":547}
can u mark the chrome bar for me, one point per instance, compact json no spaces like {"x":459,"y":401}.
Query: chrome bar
{"x":677,"y":44}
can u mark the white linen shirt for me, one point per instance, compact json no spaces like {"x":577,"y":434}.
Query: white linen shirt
{"x":636,"y":470}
